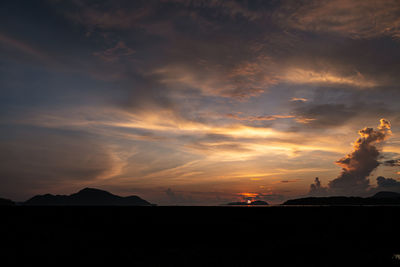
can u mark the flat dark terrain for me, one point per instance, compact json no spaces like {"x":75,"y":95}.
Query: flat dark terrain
{"x":201,"y":236}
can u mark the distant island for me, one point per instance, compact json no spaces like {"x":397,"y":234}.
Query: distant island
{"x":253,"y":203}
{"x":86,"y":197}
{"x":381,"y":198}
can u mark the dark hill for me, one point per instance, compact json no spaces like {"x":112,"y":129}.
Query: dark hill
{"x":257,"y":202}
{"x":6,"y":202}
{"x":386,"y":194}
{"x":381,"y":198}
{"x":326,"y":201}
{"x":86,"y":197}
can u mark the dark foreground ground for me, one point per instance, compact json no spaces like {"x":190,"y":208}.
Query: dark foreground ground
{"x":200,"y":236}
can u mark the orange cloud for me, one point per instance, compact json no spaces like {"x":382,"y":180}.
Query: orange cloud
{"x":307,"y":76}
{"x":259,"y":118}
{"x":299,"y":99}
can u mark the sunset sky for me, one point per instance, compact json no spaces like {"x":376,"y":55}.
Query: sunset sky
{"x":196,"y":102}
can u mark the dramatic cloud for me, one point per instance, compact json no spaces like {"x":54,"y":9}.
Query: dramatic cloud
{"x":358,"y":165}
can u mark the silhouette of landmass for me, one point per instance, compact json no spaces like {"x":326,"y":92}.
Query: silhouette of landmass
{"x":380,"y":198}
{"x":386,"y":194}
{"x":6,"y":202}
{"x":257,"y":202}
{"x":86,"y":197}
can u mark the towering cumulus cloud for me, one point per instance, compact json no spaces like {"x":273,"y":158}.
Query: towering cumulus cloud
{"x":358,"y":165}
{"x":316,"y":188}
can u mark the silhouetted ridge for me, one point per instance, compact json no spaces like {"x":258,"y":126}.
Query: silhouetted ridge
{"x":386,"y":194}
{"x":257,"y":202}
{"x":6,"y":202}
{"x":381,"y":198}
{"x":87,"y":197}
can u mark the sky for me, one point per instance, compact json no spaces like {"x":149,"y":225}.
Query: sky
{"x":199,"y":102}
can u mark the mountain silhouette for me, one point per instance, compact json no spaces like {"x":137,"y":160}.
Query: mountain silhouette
{"x":6,"y":202}
{"x":380,"y":198}
{"x":256,"y":202}
{"x":386,"y":194}
{"x":86,"y":197}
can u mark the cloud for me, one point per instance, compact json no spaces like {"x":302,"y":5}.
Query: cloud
{"x":304,"y":76}
{"x":231,"y":8}
{"x":290,"y":181}
{"x":332,"y":108}
{"x":239,"y":78}
{"x":324,"y":115}
{"x":114,"y":53}
{"x":259,"y":118}
{"x":106,"y":16}
{"x":300,"y":99}
{"x":160,"y":76}
{"x":352,"y":18}
{"x":358,"y":165}
{"x":392,"y":162}
{"x":174,"y":53}
{"x":316,"y":189}
{"x":23,"y":47}
{"x":387,"y":184}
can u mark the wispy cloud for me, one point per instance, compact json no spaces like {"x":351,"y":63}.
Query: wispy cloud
{"x":355,"y":19}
